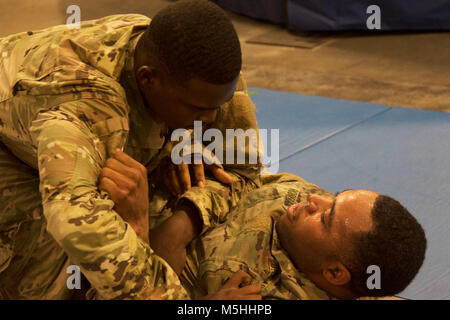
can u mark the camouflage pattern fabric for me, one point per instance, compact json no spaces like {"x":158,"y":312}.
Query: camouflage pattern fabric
{"x":248,"y":241}
{"x":38,"y":266}
{"x":242,"y":236}
{"x":68,"y":99}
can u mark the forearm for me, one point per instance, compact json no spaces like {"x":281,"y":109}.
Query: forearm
{"x":188,"y":216}
{"x":82,"y":220}
{"x":115,"y":261}
{"x":214,"y":202}
{"x":141,"y":230}
{"x":170,"y":239}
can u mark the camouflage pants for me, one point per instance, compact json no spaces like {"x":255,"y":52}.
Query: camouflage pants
{"x":32,"y":265}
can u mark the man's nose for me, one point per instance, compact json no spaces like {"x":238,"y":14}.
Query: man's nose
{"x":208,"y":116}
{"x":319,"y":202}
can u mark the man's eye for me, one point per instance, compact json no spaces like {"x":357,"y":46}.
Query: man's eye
{"x":322,"y":217}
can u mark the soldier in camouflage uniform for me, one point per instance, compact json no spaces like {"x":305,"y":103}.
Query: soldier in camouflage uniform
{"x":68,"y":99}
{"x":280,"y":229}
{"x":247,"y":240}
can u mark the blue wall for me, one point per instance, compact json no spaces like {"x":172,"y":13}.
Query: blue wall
{"x":346,"y":14}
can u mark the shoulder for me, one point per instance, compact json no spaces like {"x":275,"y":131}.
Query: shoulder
{"x":120,"y":20}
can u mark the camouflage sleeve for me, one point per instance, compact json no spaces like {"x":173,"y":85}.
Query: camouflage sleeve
{"x":215,"y":200}
{"x":117,"y":263}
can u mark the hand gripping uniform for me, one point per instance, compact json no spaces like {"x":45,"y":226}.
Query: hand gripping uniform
{"x":68,"y":99}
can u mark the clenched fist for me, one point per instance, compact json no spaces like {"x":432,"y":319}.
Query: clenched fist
{"x":125,"y":180}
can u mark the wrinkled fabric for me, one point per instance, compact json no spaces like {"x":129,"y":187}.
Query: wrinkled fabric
{"x":247,"y":240}
{"x":68,"y":99}
{"x":242,"y":236}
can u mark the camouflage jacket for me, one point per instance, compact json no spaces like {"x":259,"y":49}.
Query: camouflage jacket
{"x":68,"y":98}
{"x":247,"y":240}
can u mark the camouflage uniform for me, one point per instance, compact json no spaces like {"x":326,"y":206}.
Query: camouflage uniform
{"x":68,"y":99}
{"x":248,"y":240}
{"x":242,"y":236}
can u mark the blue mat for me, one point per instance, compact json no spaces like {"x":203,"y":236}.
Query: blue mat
{"x":317,"y":117}
{"x":401,"y":152}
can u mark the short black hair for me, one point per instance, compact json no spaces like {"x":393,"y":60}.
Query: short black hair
{"x":194,"y":39}
{"x":396,"y":244}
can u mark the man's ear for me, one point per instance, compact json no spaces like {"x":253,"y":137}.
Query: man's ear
{"x":336,"y":273}
{"x":146,"y":76}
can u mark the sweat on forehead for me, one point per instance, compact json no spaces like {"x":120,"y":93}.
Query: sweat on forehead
{"x":352,"y":210}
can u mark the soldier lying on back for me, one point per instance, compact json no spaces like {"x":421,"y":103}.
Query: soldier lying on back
{"x":297,"y":240}
{"x":301,"y":242}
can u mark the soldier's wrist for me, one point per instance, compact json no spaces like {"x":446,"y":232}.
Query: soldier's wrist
{"x":189,"y":221}
{"x":141,"y":231}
